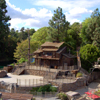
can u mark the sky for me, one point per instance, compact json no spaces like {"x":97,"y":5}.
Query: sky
{"x":37,"y":13}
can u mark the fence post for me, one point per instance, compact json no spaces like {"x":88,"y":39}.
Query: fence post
{"x":25,"y":82}
{"x":33,"y":82}
{"x":36,"y":82}
{"x":17,"y":81}
{"x":20,"y":81}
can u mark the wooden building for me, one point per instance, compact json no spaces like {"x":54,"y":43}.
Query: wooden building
{"x":53,"y":55}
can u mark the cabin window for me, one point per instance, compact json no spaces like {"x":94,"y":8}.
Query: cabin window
{"x":39,"y":54}
{"x":49,"y":54}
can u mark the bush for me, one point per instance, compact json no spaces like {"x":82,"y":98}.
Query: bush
{"x":97,"y":93}
{"x":53,"y":89}
{"x":34,"y":89}
{"x":79,"y":74}
{"x":62,"y":96}
{"x":12,"y":64}
{"x":21,"y":60}
{"x":46,"y":88}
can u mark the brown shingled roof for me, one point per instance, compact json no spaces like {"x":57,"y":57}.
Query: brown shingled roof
{"x":49,"y":49}
{"x":38,"y":51}
{"x":53,"y":44}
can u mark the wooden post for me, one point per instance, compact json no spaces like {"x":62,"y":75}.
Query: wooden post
{"x":29,"y":82}
{"x":33,"y":82}
{"x":28,"y":47}
{"x":25,"y":82}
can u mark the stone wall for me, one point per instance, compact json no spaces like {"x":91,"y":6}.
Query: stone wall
{"x":40,"y":73}
{"x":80,"y":82}
{"x":93,"y":76}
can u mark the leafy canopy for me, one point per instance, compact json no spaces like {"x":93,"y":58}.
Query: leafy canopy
{"x":38,"y":38}
{"x":4,"y":28}
{"x":89,"y":52}
{"x":93,"y":29}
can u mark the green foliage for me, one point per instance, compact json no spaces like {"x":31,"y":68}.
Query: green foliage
{"x":97,"y":92}
{"x":22,"y":49}
{"x":4,"y":29}
{"x":34,"y":89}
{"x":89,"y":52}
{"x":73,"y":35}
{"x":53,"y":89}
{"x":62,"y":96}
{"x":38,"y":38}
{"x":58,"y":26}
{"x":46,"y":88}
{"x":93,"y":29}
{"x":79,"y":74}
{"x":86,"y":64}
{"x":21,"y":60}
{"x":83,"y":34}
{"x":40,"y":35}
{"x":12,"y":65}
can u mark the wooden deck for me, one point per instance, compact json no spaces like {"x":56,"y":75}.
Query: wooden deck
{"x":16,"y":96}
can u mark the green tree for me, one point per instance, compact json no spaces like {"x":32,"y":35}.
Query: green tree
{"x":93,"y":29}
{"x":73,"y":35}
{"x":10,"y":46}
{"x":23,"y":34}
{"x":83,"y":34}
{"x":12,"y":32}
{"x":32,"y":31}
{"x":58,"y":26}
{"x":40,"y":35}
{"x":90,"y":53}
{"x":21,"y":50}
{"x":38,"y":38}
{"x":4,"y":27}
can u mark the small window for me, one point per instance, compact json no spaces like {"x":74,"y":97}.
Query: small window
{"x":39,"y":54}
{"x":50,"y":54}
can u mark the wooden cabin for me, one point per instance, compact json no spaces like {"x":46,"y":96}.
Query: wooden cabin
{"x":53,"y":55}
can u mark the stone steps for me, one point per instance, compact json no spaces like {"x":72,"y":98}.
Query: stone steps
{"x":18,"y":71}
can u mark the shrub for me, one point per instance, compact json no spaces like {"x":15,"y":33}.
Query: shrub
{"x":34,"y":89}
{"x":12,"y":64}
{"x":21,"y":60}
{"x":79,"y":74}
{"x":53,"y":89}
{"x":62,"y":96}
{"x":46,"y":88}
{"x":97,"y":93}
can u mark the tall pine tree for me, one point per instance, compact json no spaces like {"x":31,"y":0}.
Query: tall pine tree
{"x":4,"y":27}
{"x":58,"y":26}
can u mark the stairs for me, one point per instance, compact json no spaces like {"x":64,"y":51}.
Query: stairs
{"x":18,"y":71}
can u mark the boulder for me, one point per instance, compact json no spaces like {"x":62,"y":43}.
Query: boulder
{"x":3,"y":73}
